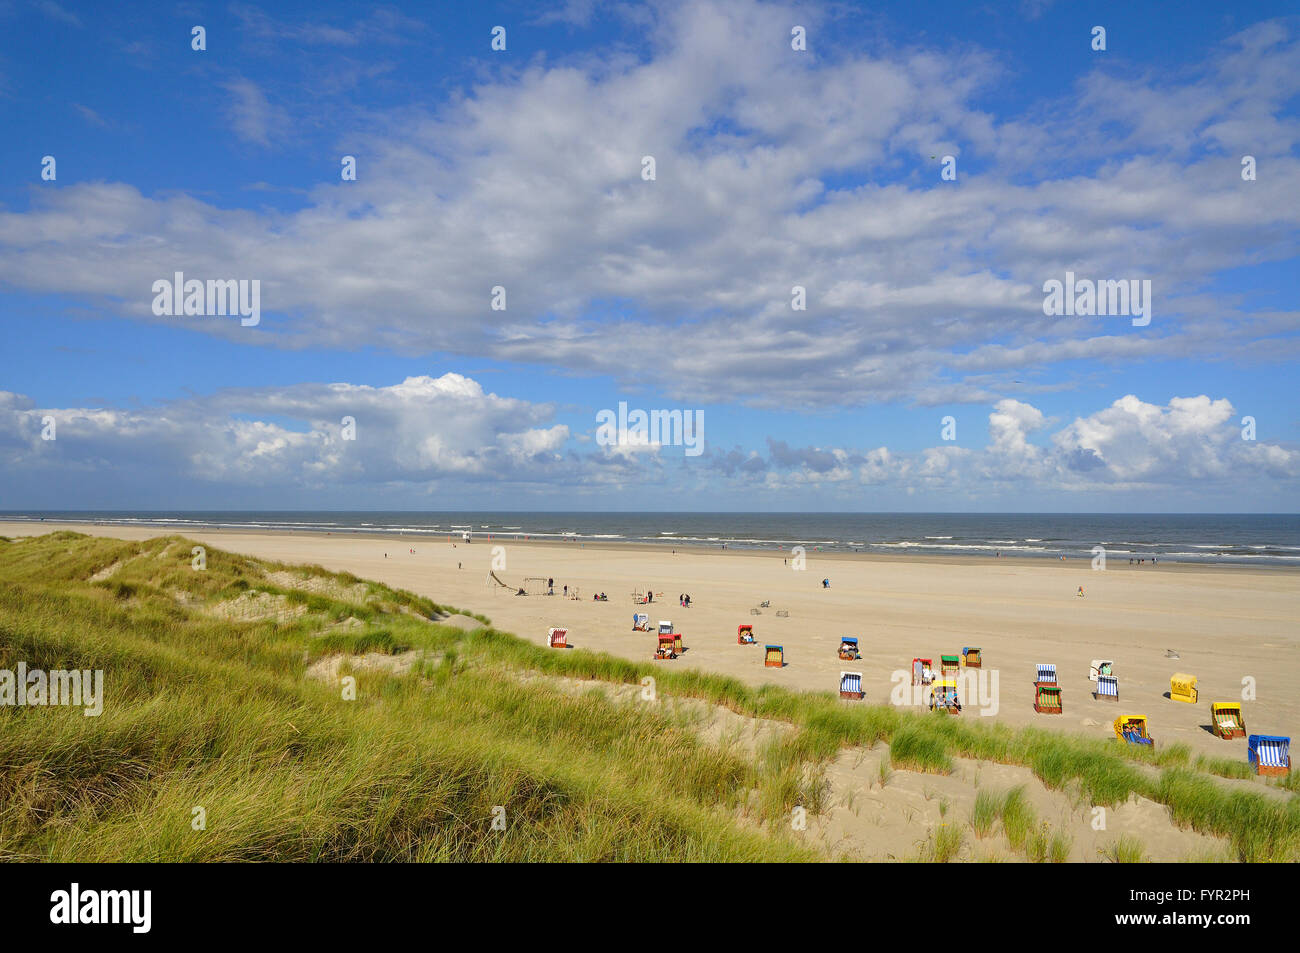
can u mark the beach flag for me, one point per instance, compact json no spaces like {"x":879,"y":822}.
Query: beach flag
{"x":1269,"y":754}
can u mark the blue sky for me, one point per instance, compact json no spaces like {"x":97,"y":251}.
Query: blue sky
{"x":775,"y":167}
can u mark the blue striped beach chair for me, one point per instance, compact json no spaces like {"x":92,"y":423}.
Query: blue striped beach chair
{"x":851,"y":685}
{"x":1107,"y":688}
{"x":1270,"y":754}
{"x":1046,"y":674}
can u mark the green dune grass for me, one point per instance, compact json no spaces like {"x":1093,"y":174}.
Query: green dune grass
{"x":215,"y":745}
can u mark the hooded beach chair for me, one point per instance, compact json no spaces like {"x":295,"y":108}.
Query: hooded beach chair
{"x":943,"y":697}
{"x":666,"y":628}
{"x":971,"y":658}
{"x":949,"y":665}
{"x":745,"y":635}
{"x":1046,"y":674}
{"x":1269,"y":754}
{"x":1226,"y":721}
{"x":666,"y":649}
{"x":558,"y":638}
{"x":1100,"y":667}
{"x":849,"y":649}
{"x":851,"y":685}
{"x":1133,"y":730}
{"x":640,"y":622}
{"x":773,"y":656}
{"x":1107,"y":688}
{"x":1182,"y":687}
{"x":921,"y":671}
{"x":1047,"y":699}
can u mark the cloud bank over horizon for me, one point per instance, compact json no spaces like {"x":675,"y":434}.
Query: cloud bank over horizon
{"x":424,"y":437}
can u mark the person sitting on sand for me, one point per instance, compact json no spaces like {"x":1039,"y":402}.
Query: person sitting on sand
{"x":826,"y":583}
{"x":1081,"y":590}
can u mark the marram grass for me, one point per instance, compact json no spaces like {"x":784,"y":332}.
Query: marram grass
{"x":214,"y":717}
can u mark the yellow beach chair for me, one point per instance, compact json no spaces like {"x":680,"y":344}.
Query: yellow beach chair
{"x":1226,"y":720}
{"x":943,"y":697}
{"x":1133,"y":729}
{"x":1182,"y":688}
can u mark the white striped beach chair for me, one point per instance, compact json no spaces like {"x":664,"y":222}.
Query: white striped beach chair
{"x":1107,"y":688}
{"x":851,"y":685}
{"x":1270,"y":754}
{"x":1046,"y":673}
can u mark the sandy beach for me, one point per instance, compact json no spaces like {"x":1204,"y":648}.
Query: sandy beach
{"x":1225,"y":624}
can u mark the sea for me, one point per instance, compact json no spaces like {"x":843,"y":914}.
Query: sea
{"x":1251,"y":539}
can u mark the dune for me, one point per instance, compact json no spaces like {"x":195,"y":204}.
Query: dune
{"x":1233,"y":627}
